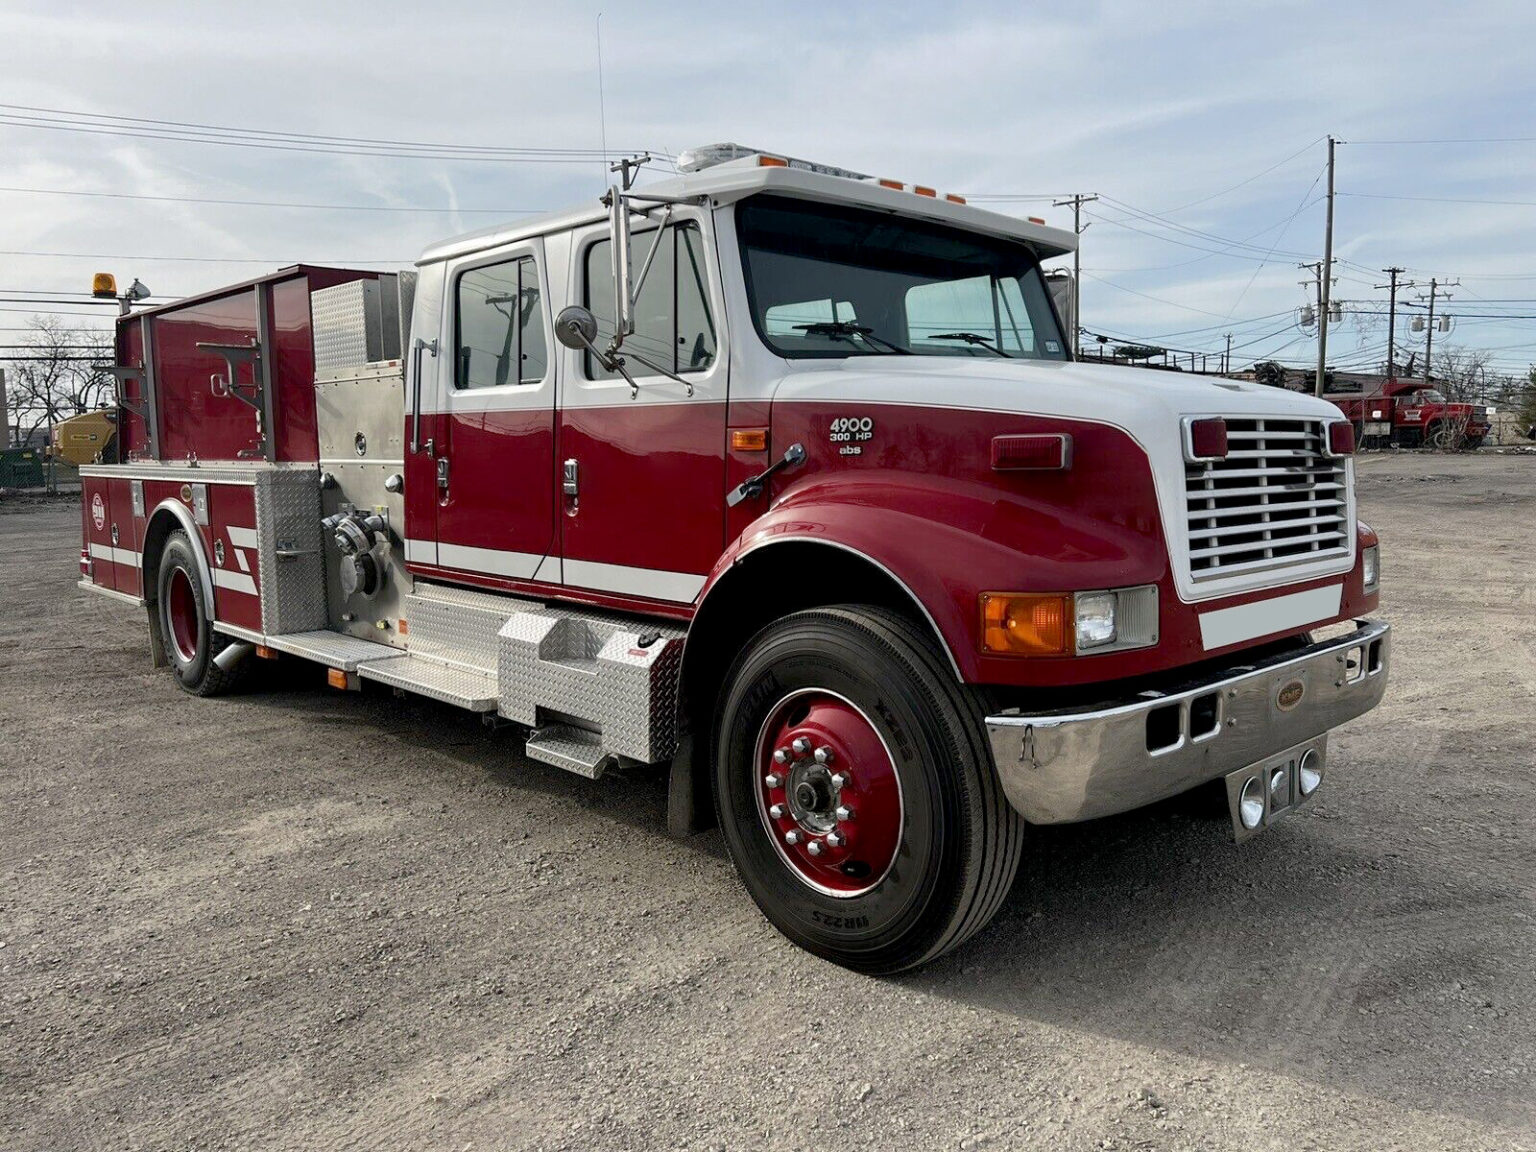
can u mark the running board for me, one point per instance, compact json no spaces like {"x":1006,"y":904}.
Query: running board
{"x":462,"y":687}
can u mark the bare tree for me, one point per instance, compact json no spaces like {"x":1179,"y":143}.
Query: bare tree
{"x":1462,"y":373}
{"x":53,"y":376}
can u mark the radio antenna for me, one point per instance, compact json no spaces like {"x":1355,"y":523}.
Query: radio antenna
{"x":602,"y":105}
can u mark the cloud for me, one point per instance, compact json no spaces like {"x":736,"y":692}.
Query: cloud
{"x":1157,"y":106}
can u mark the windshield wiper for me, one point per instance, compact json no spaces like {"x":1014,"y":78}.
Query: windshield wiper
{"x":973,"y":339}
{"x":843,"y":330}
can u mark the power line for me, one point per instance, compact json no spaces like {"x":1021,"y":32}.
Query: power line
{"x":306,"y":136}
{"x":49,"y":119}
{"x":203,"y":259}
{"x":275,"y":203}
{"x":1464,"y":140}
{"x":1439,"y":199}
{"x":1217,"y":195}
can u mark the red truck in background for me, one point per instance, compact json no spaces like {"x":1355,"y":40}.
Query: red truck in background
{"x":1410,"y":414}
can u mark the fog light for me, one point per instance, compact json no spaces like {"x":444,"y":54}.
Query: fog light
{"x":1370,"y":567}
{"x":1309,"y":773}
{"x":1250,"y":804}
{"x":1095,"y":619}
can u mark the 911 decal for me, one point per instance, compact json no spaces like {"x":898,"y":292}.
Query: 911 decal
{"x":851,"y":432}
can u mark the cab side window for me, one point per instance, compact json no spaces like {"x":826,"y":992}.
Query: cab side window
{"x":673,"y":326}
{"x":500,"y":326}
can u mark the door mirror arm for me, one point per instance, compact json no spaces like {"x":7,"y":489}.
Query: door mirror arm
{"x":576,"y":328}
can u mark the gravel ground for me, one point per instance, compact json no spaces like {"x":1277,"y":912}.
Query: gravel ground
{"x":303,"y":919}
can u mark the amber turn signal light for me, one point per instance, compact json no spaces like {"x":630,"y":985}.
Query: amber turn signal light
{"x":1026,"y":624}
{"x":749,"y":439}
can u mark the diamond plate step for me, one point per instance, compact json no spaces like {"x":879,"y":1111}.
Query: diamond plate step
{"x":458,"y":625}
{"x":332,"y":648}
{"x":573,"y":749}
{"x":615,"y":675}
{"x":463,"y":687}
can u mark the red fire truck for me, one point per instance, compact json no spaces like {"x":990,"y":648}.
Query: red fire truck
{"x":1410,"y":414}
{"x":778,"y":475}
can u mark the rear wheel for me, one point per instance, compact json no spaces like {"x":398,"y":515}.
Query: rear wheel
{"x":856,"y":791}
{"x":186,"y":623}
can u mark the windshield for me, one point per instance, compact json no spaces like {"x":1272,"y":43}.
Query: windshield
{"x":825,"y":280}
{"x":1428,"y":396}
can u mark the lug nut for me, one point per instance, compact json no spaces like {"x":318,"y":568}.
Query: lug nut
{"x":791,"y":837}
{"x":781,"y":756}
{"x":777,"y":811}
{"x":838,"y":780}
{"x":836,"y":839}
{"x":773,"y":780}
{"x":814,"y":847}
{"x":801,"y":745}
{"x":844,"y":812}
{"x":824,"y":754}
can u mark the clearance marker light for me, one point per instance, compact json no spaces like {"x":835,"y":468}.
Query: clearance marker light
{"x":749,"y":439}
{"x":1341,"y":438}
{"x":1207,"y":439}
{"x":1017,"y":453}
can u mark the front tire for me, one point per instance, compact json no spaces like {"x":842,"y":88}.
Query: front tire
{"x":856,"y":791}
{"x":186,"y":624}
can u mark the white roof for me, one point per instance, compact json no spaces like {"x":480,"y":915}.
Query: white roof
{"x":738,"y":179}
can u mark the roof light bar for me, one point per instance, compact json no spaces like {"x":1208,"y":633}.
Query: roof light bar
{"x":712,"y":155}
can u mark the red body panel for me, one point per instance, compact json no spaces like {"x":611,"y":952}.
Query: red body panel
{"x":96,"y":521}
{"x":231,"y":508}
{"x":501,"y":489}
{"x":922,"y":501}
{"x":652,"y":485}
{"x":193,"y":421}
{"x":130,"y":534}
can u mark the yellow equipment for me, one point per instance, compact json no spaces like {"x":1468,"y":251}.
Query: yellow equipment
{"x":85,"y":438}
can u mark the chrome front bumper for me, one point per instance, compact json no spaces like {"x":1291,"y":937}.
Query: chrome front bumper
{"x":1079,"y":764}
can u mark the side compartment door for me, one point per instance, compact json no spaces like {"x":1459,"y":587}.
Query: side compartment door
{"x":643,"y":475}
{"x":495,"y":431}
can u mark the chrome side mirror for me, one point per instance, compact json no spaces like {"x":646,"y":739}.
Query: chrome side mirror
{"x":576,"y":328}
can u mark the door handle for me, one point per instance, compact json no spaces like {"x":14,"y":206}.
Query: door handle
{"x":442,"y":476}
{"x":571,"y":485}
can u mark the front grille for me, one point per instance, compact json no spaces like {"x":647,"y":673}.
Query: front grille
{"x":1276,"y":500}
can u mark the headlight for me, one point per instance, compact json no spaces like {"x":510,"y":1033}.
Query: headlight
{"x":1095,"y":619}
{"x":1068,"y":623}
{"x":1370,"y":567}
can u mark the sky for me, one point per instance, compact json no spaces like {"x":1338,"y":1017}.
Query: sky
{"x":1200,"y":125}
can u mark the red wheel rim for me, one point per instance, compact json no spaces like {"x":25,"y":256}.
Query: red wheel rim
{"x":827,"y":792}
{"x":182,"y":609}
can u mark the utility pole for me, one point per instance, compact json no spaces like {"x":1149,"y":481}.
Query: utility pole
{"x":1079,"y":228}
{"x":1393,"y":273}
{"x":1327,"y":280}
{"x":1429,"y":328}
{"x":1226,"y":357}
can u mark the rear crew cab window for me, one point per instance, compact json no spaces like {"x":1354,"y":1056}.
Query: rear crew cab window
{"x":500,"y":326}
{"x":673,"y":326}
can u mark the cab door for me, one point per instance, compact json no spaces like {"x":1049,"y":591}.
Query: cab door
{"x":642,"y":473}
{"x":493,"y":439}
